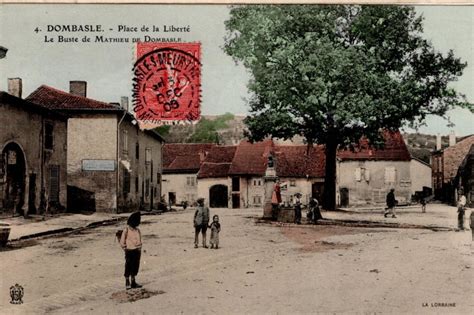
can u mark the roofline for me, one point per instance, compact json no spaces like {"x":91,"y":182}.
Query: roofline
{"x":31,"y":106}
{"x":421,"y":161}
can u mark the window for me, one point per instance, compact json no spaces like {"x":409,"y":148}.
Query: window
{"x":190,"y":181}
{"x":124,"y":142}
{"x":257,"y":182}
{"x":361,"y":174}
{"x":54,"y":183}
{"x":390,"y":174}
{"x":358,"y":174}
{"x":48,"y":136}
{"x":235,"y":183}
{"x":147,"y":187}
{"x":148,"y":155}
{"x":137,"y":151}
{"x":137,"y":189}
{"x":126,"y":183}
{"x":158,"y":178}
{"x":292,"y":183}
{"x":257,"y":200}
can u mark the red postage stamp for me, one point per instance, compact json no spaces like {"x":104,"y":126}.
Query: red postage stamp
{"x":166,"y":83}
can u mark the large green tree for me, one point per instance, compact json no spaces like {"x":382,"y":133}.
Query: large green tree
{"x":335,"y":73}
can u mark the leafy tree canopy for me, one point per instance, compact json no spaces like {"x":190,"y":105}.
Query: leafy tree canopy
{"x":207,"y":129}
{"x":335,"y":73}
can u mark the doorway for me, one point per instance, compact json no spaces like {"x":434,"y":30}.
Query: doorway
{"x":218,"y":196}
{"x":13,"y":161}
{"x":344,"y":192}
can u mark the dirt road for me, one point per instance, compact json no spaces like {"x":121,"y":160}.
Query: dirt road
{"x":258,"y":269}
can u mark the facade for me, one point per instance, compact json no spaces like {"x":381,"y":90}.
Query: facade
{"x":181,"y":164}
{"x":111,"y":164}
{"x":33,"y":155}
{"x":213,"y":182}
{"x":365,"y":175}
{"x":420,"y":173}
{"x":300,"y":170}
{"x":445,"y":165}
{"x":465,"y":176}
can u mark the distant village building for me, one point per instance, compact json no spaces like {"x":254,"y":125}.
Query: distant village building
{"x":445,"y":167}
{"x":111,"y":164}
{"x":181,"y":164}
{"x":300,"y":170}
{"x":214,"y":183}
{"x":33,"y":155}
{"x":465,"y":176}
{"x":365,"y":175}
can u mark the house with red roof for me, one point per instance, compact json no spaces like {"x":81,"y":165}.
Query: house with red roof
{"x":32,"y":155}
{"x":214,"y":183}
{"x":112,"y":165}
{"x":446,"y":163}
{"x":181,"y":164}
{"x":366,"y":174}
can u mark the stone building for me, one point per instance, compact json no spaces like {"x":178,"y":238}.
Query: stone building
{"x":181,"y":164}
{"x":300,"y":170}
{"x":111,"y":164}
{"x":214,"y":183}
{"x":33,"y":155}
{"x":365,"y":175}
{"x":445,"y":166}
{"x":465,"y":176}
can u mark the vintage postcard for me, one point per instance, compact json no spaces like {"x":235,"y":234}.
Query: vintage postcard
{"x":236,"y":158}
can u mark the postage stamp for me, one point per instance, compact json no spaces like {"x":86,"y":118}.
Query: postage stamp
{"x":166,"y":83}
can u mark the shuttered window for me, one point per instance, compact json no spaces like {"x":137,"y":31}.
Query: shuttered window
{"x":54,"y":183}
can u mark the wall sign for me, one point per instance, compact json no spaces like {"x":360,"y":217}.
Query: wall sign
{"x":98,"y":165}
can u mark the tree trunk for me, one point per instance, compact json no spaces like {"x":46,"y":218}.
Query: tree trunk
{"x":329,"y":196}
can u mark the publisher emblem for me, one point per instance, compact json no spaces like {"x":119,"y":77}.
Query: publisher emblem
{"x":16,"y":293}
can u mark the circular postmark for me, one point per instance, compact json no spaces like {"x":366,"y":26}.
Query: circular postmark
{"x":166,"y":86}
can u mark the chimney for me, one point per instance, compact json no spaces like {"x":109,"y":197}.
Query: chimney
{"x":78,"y":88}
{"x":15,"y":87}
{"x":452,"y":138}
{"x":124,"y":102}
{"x":438,"y":142}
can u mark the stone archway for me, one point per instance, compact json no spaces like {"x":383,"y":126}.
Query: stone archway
{"x":13,"y":171}
{"x":218,"y":196}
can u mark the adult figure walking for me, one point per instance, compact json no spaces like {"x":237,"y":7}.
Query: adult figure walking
{"x":391,"y":203}
{"x":201,"y":221}
{"x":298,"y":208}
{"x":461,"y":209}
{"x":315,"y":211}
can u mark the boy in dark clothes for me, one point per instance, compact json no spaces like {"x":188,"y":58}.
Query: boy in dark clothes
{"x":131,"y":242}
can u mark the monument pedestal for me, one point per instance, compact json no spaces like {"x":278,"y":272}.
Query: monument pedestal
{"x":270,"y":179}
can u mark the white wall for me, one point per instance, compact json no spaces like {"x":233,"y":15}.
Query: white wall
{"x":369,"y":185}
{"x":178,"y":184}
{"x":205,"y":183}
{"x":420,"y":175}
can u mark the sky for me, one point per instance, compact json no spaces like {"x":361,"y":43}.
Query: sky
{"x":107,"y":66}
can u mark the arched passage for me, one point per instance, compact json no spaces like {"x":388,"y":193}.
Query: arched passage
{"x":218,"y":196}
{"x":14,"y":167}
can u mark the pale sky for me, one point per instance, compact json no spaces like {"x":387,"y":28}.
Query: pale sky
{"x":107,"y":66}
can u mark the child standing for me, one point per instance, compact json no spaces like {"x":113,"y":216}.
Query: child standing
{"x":131,"y":242}
{"x":215,"y":229}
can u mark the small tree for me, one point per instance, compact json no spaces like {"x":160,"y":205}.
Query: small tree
{"x":333,"y":74}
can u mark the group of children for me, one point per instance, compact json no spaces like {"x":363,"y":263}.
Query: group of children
{"x":131,"y":239}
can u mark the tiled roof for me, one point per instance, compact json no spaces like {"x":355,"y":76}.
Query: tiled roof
{"x":299,"y":161}
{"x":6,"y":98}
{"x":454,"y":155}
{"x":184,"y":157}
{"x":251,"y":158}
{"x":56,"y":99}
{"x":218,"y":162}
{"x":394,"y":149}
